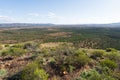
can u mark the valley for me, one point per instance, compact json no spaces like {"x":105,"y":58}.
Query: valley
{"x":71,"y":53}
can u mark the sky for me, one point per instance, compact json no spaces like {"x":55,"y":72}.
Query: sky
{"x":60,"y":11}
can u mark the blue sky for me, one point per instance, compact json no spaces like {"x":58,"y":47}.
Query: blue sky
{"x":60,"y":11}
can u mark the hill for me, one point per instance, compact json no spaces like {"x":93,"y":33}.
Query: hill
{"x":61,"y":61}
{"x":62,"y":53}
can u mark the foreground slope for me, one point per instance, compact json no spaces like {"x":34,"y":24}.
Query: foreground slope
{"x":61,"y":61}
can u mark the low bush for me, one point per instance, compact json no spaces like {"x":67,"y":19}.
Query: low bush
{"x":108,"y":63}
{"x":34,"y":72}
{"x":17,"y":51}
{"x":79,"y":52}
{"x":91,"y":75}
{"x":30,"y":46}
{"x":97,"y":54}
{"x":81,"y":60}
{"x":17,"y":46}
{"x":67,"y":60}
{"x":13,"y":52}
{"x":111,"y":50}
{"x":5,"y":53}
{"x":115,"y":56}
{"x":95,"y":75}
{"x":78,"y":59}
{"x":7,"y":45}
{"x":3,"y":72}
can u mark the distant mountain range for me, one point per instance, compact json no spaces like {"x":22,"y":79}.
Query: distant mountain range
{"x":2,"y":25}
{"x":24,"y":25}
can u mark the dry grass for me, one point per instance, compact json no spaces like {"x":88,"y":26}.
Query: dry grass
{"x":52,"y":29}
{"x":51,"y":44}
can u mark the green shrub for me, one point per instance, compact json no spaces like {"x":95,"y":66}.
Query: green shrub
{"x":78,"y":60}
{"x":111,"y":50}
{"x":7,"y":45}
{"x":106,"y":71}
{"x":13,"y":52}
{"x":95,"y":75}
{"x":71,"y":68}
{"x":107,"y":77}
{"x":5,"y":53}
{"x":30,"y":46}
{"x":97,"y":54}
{"x":115,"y":56}
{"x":46,"y":52}
{"x":91,"y":75}
{"x":17,"y":46}
{"x":27,"y":73}
{"x":3,"y":72}
{"x":52,"y":48}
{"x":17,"y":51}
{"x":34,"y":72}
{"x":40,"y":74}
{"x":27,"y":45}
{"x":108,"y":63}
{"x":79,"y":52}
{"x":68,"y":59}
{"x":82,"y":60}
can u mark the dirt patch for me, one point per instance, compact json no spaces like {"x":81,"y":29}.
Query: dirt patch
{"x":64,"y":34}
{"x":14,"y":64}
{"x":52,"y":29}
{"x":53,"y":44}
{"x":50,"y":45}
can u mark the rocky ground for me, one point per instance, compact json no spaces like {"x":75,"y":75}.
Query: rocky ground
{"x":14,"y":64}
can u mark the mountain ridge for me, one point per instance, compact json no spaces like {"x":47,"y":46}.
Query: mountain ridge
{"x":57,"y":25}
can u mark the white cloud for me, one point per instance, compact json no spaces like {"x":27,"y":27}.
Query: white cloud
{"x":6,"y":18}
{"x":34,"y":14}
{"x":98,"y":20}
{"x":53,"y":15}
{"x":50,"y":15}
{"x":92,"y":20}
